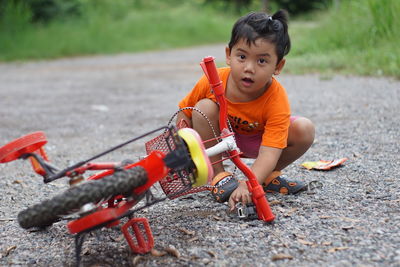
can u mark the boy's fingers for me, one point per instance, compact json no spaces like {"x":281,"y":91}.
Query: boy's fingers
{"x":243,"y":199}
{"x":248,"y":199}
{"x":231,"y":203}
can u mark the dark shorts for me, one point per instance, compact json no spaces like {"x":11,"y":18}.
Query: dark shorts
{"x":249,"y":145}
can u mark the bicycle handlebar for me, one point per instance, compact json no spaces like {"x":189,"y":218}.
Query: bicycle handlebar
{"x":228,"y":143}
{"x":209,"y":68}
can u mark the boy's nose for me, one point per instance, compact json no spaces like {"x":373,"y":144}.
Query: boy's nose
{"x":249,"y":67}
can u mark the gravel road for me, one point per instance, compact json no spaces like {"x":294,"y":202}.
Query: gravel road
{"x":88,"y":104}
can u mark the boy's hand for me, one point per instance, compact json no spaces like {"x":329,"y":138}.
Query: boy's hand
{"x":241,"y":194}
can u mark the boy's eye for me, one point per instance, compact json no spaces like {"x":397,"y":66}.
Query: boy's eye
{"x":241,"y":57}
{"x":262,"y":61}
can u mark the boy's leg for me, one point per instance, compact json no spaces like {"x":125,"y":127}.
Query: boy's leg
{"x":201,"y":125}
{"x":300,"y":138}
{"x":223,"y":181}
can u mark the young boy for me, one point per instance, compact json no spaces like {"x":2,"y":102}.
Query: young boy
{"x":258,"y":108}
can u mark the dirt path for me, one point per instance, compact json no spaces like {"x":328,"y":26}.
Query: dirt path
{"x":86,"y":105}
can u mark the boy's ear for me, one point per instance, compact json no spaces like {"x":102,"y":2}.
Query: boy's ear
{"x":279,"y":66}
{"x":228,"y":56}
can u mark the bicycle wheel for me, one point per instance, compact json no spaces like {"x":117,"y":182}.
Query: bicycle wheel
{"x":93,"y":191}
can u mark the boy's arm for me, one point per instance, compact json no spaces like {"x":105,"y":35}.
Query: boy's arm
{"x":266,"y":162}
{"x":262,"y":168}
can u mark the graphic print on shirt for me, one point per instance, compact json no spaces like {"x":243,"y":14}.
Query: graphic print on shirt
{"x":240,"y":124}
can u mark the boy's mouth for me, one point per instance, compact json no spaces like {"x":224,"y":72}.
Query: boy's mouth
{"x":247,"y":81}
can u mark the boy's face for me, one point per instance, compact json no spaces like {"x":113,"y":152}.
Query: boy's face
{"x":252,"y":66}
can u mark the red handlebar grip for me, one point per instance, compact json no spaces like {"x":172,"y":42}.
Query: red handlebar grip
{"x":213,"y":76}
{"x":212,"y":70}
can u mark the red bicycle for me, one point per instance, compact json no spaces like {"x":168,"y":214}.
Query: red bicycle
{"x":103,"y":199}
{"x":176,"y":158}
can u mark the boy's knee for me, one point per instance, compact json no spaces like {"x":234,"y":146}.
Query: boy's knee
{"x":208,"y":107}
{"x":304,"y":131}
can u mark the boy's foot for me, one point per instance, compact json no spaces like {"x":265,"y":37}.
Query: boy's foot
{"x":280,"y":184}
{"x":223,"y":186}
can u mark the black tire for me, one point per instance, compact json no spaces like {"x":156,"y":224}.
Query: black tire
{"x":50,"y":210}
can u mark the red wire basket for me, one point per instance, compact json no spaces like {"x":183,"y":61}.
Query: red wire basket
{"x":175,"y":183}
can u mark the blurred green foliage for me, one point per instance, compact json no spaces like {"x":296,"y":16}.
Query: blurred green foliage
{"x":111,"y":26}
{"x":298,"y":7}
{"x":43,"y":11}
{"x":359,"y":36}
{"x":47,"y":10}
{"x":294,"y":7}
{"x":353,"y":36}
{"x":236,"y":6}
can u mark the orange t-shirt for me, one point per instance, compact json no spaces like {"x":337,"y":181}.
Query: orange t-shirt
{"x":268,"y":115}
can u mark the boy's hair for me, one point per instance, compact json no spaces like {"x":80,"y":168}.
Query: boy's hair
{"x":257,"y":25}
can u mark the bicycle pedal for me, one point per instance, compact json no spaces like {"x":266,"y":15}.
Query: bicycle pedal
{"x":140,"y":228}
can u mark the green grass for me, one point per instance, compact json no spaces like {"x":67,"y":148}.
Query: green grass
{"x":112,"y":27}
{"x":360,"y":37}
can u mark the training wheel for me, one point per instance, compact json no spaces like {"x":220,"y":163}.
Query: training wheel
{"x":23,"y":145}
{"x":198,"y":154}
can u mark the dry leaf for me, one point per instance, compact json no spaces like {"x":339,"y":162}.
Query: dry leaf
{"x":326,"y":243}
{"x":305,"y":242}
{"x":137,"y":259}
{"x":9,"y":249}
{"x":158,"y":253}
{"x":275,"y":202}
{"x":291,"y":211}
{"x":337,"y":249}
{"x":300,"y":236}
{"x":118,"y":238}
{"x":217,"y":218}
{"x":6,"y":219}
{"x":347,"y":227}
{"x":195,"y":238}
{"x":18,"y":182}
{"x":173,"y":251}
{"x":186,"y":231}
{"x":284,"y":244}
{"x":280,"y":209}
{"x":211,"y":253}
{"x":281,"y":256}
{"x":86,"y":251}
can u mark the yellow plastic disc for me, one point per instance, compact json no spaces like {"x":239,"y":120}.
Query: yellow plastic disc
{"x":200,"y":159}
